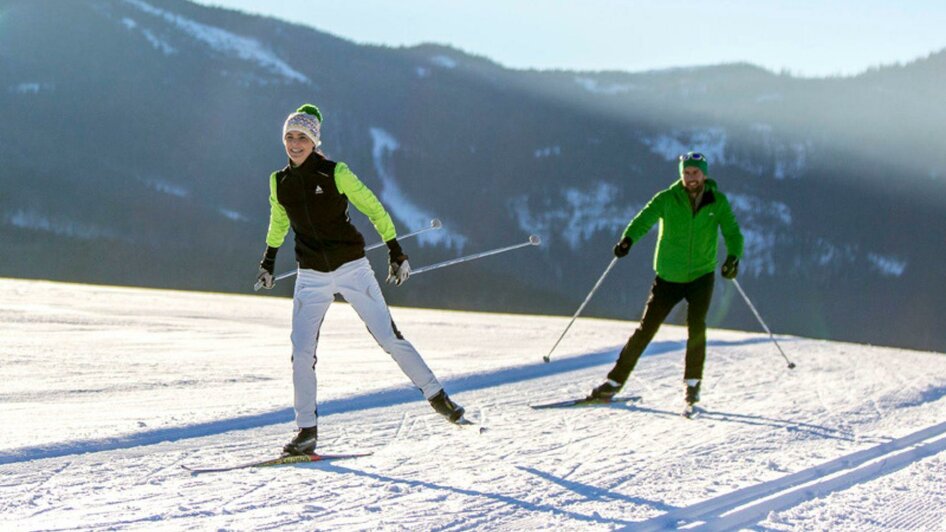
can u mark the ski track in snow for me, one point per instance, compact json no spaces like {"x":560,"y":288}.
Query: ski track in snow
{"x":108,"y":391}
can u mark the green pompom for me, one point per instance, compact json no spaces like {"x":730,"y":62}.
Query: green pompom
{"x":310,"y":109}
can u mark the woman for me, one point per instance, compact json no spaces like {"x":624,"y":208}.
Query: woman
{"x":311,"y":194}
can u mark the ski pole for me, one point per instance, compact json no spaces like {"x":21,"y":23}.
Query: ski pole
{"x":533,"y":241}
{"x":791,"y":365}
{"x":434,"y":224}
{"x":614,"y":261}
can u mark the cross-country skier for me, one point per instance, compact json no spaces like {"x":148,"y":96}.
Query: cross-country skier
{"x":311,"y":194}
{"x":691,"y":213}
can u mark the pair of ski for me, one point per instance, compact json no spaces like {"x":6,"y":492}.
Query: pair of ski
{"x":689,"y":412}
{"x":285,"y":459}
{"x":290,"y":459}
{"x":588,"y":401}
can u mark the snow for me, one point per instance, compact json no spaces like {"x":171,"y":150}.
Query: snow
{"x":219,"y":40}
{"x":771,"y":97}
{"x":709,"y":141}
{"x":831,"y":253}
{"x":753,"y":212}
{"x":444,"y":61}
{"x":167,"y":187}
{"x":399,"y":204}
{"x":587,"y":211}
{"x":746,"y":205}
{"x":107,"y":391}
{"x":26,"y":88}
{"x":818,"y":252}
{"x":548,"y":151}
{"x":233,"y":215}
{"x":595,"y":87}
{"x":58,"y":225}
{"x":31,"y":87}
{"x":156,"y":42}
{"x":887,"y":265}
{"x":790,"y":160}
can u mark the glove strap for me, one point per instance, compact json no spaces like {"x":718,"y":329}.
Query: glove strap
{"x":395,"y":252}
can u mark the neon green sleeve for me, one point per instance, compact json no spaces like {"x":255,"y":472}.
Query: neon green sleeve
{"x":646,"y":218}
{"x":365,"y":201}
{"x":730,"y":228}
{"x":278,"y":219}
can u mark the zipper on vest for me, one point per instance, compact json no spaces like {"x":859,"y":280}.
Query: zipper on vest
{"x":308,"y":215}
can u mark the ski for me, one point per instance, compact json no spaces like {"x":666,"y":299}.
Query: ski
{"x":588,"y":401}
{"x":463,"y":422}
{"x":691,"y":411}
{"x":286,"y":459}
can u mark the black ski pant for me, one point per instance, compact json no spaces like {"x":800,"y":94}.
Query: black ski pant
{"x":665,"y":295}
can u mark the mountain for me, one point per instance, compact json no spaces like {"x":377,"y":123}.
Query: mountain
{"x":138,"y":137}
{"x":853,"y":439}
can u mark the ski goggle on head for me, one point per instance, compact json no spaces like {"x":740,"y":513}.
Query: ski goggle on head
{"x":693,"y":156}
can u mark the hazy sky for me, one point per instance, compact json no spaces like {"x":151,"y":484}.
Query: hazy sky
{"x":807,"y":37}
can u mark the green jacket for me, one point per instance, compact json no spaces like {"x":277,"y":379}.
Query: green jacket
{"x":687,"y":242}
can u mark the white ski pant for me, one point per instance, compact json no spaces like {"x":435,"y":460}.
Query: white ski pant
{"x":314,"y":292}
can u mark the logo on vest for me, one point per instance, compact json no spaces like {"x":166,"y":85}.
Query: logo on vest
{"x":318,"y":189}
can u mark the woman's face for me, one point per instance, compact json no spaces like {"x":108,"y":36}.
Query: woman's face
{"x":298,"y":146}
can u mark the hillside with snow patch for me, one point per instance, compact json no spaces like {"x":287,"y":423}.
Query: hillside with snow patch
{"x":172,"y":111}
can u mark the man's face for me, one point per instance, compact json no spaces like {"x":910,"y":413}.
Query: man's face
{"x":693,"y":179}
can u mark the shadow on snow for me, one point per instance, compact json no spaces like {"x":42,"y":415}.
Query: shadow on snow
{"x":499,"y":497}
{"x":590,"y":492}
{"x":382,"y":398}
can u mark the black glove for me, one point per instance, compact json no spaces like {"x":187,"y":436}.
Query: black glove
{"x":398,"y":267}
{"x":730,"y":268}
{"x":264,"y":279}
{"x":622,"y":247}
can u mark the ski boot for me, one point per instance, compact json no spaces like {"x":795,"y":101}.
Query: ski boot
{"x":446,"y":407}
{"x":693,"y":391}
{"x":304,"y":442}
{"x":606,"y":391}
{"x":692,"y":397}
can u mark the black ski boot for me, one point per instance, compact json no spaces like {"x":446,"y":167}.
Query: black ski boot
{"x":693,"y":394}
{"x":446,"y":407}
{"x":606,"y":391}
{"x":304,"y":442}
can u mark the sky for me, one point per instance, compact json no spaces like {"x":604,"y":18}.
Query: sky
{"x":807,"y":38}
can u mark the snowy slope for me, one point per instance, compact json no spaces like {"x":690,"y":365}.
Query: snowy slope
{"x":106,"y":391}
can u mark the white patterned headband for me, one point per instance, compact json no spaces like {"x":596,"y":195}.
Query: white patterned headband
{"x":307,"y":124}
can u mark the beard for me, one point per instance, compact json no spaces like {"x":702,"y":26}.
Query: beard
{"x":694,"y":188}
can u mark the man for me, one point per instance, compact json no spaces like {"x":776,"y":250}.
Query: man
{"x":691,"y":212}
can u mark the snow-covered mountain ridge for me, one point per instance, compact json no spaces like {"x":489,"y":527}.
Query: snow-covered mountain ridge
{"x":170,"y":115}
{"x":107,"y":391}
